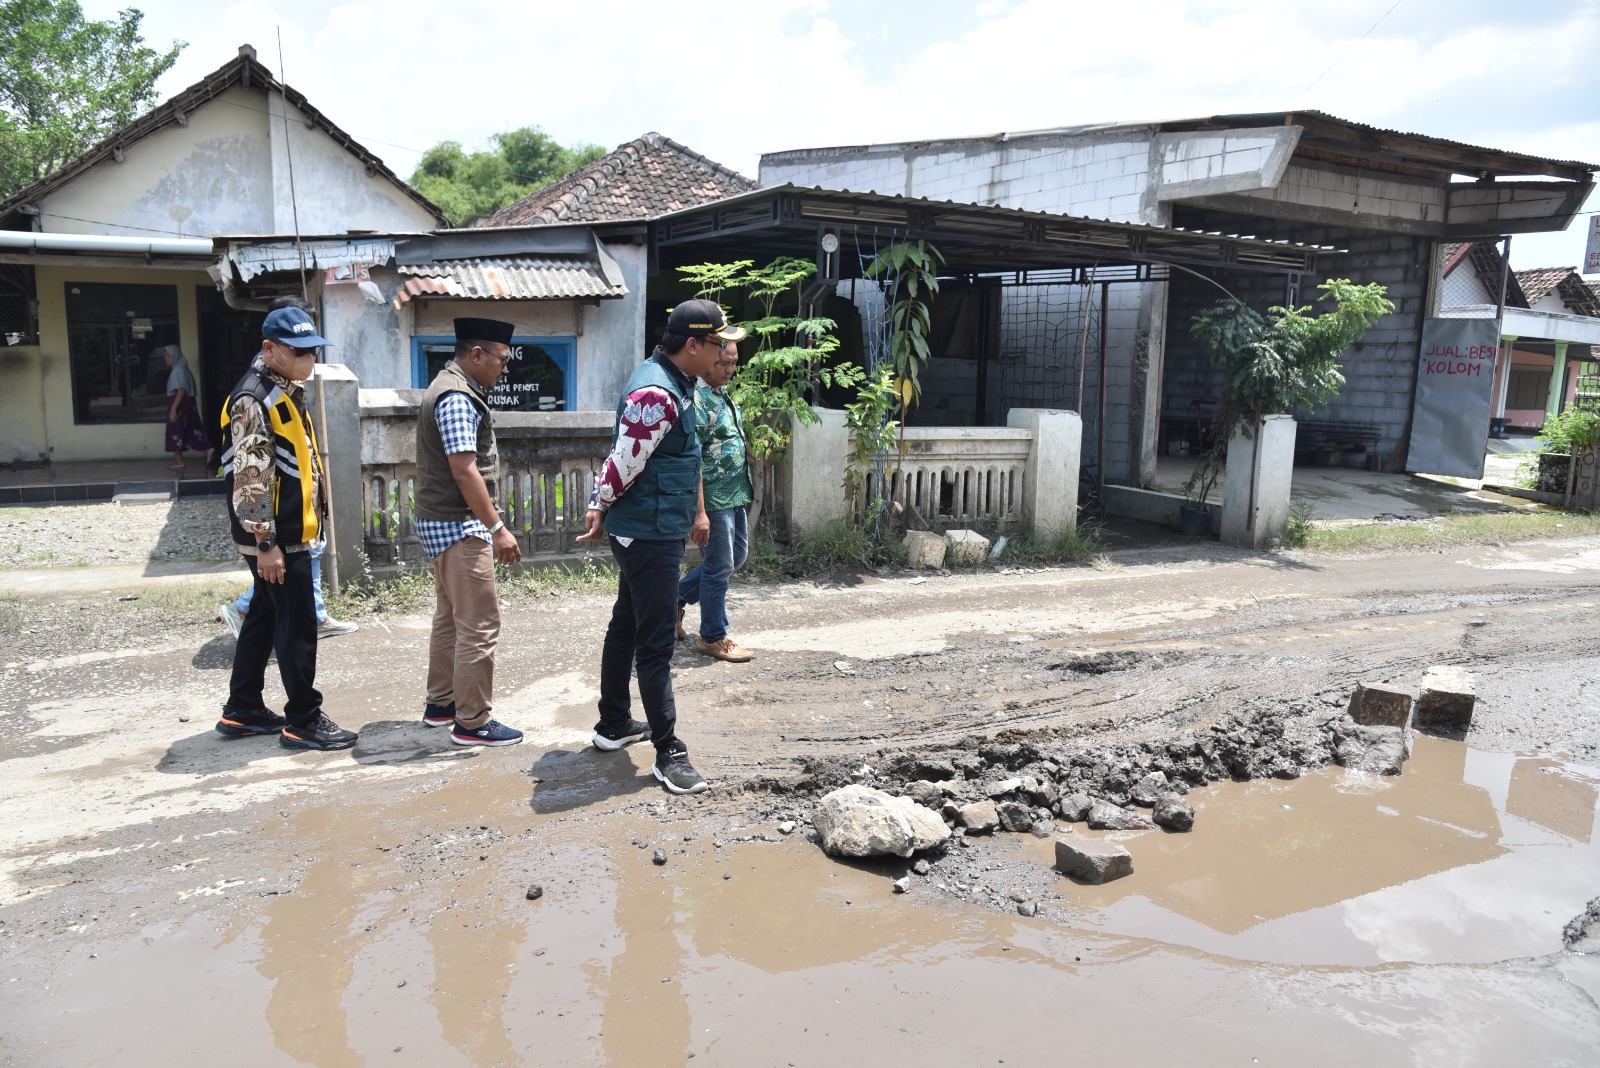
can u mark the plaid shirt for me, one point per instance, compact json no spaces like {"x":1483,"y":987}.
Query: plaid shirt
{"x":458,"y":420}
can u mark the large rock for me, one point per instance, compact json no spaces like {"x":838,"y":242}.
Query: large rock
{"x":1000,"y":789}
{"x":1447,"y":698}
{"x":924,"y":548}
{"x":1104,"y":816}
{"x":1380,"y":750}
{"x":980,"y":817}
{"x":1173,"y":813}
{"x":1015,"y":816}
{"x":858,"y":821}
{"x":1074,"y":808}
{"x":925,"y":793}
{"x":1147,"y":790}
{"x":1380,"y":706}
{"x":1092,"y":860}
{"x":967,"y":548}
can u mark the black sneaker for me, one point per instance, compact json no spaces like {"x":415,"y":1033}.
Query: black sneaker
{"x":323,"y":734}
{"x":438,"y":715}
{"x":676,"y":773}
{"x":241,"y":724}
{"x":613,"y":738}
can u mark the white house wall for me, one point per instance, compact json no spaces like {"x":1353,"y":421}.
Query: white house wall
{"x":227,"y":172}
{"x":612,"y":343}
{"x":210,"y":177}
{"x":334,"y":190}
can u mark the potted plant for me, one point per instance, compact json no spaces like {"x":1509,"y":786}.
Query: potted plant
{"x":1563,"y":440}
{"x":1284,"y":361}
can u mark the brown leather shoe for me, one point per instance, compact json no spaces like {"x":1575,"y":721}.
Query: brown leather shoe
{"x":726,"y":649}
{"x":682,"y":634}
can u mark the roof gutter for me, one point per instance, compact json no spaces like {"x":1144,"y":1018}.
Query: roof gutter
{"x":129,"y":246}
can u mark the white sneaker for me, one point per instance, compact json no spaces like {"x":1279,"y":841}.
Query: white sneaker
{"x":330,"y":626}
{"x":232,"y":617}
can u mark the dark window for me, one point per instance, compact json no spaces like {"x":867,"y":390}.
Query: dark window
{"x":113,"y":332}
{"x":1529,"y":388}
{"x":536,"y":380}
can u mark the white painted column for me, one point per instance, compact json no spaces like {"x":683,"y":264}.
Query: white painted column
{"x":1050,"y":481}
{"x":815,"y":474}
{"x":1506,"y":345}
{"x":1255,"y":494}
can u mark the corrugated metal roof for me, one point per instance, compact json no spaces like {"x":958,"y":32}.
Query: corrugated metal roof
{"x":512,"y":278}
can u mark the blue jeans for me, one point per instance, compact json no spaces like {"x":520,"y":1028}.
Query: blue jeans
{"x":707,"y":584}
{"x":243,"y":603}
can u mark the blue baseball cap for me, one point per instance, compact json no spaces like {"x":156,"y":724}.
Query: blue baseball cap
{"x":292,"y":327}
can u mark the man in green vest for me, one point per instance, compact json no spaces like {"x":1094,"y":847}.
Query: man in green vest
{"x":458,"y":470}
{"x":647,"y":499}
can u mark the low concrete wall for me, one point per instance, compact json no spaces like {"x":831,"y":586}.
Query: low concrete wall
{"x":1151,"y":505}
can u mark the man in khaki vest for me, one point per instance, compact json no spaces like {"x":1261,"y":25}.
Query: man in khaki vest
{"x":460,"y":528}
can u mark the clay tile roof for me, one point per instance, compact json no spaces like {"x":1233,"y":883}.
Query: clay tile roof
{"x":1541,"y":281}
{"x":642,"y":179}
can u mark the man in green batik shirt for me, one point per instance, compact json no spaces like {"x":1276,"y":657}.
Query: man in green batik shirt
{"x":728,"y":488}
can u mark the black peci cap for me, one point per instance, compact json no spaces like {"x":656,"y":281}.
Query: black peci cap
{"x":702,"y":318}
{"x":491,"y":330}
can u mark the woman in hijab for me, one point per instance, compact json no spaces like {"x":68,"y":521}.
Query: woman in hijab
{"x":184,"y":429}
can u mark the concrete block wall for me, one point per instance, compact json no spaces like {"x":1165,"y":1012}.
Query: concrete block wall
{"x":1378,"y":370}
{"x":1102,"y":176}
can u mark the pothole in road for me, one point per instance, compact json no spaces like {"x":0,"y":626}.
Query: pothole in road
{"x":1467,"y":857}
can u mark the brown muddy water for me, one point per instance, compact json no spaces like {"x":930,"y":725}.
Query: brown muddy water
{"x":1324,"y":921}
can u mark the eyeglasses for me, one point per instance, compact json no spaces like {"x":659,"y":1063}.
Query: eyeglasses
{"x":502,"y":360}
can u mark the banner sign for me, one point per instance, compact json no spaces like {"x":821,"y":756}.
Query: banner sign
{"x":1591,"y":257}
{"x":1450,"y":417}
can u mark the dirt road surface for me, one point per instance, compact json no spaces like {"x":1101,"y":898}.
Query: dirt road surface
{"x":167,"y":892}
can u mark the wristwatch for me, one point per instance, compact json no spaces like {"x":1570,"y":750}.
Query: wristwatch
{"x":266,"y":545}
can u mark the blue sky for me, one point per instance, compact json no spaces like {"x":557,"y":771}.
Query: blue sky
{"x":735,"y":79}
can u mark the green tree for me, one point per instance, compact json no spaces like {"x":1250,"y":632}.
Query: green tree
{"x":67,"y":82}
{"x":522,"y":161}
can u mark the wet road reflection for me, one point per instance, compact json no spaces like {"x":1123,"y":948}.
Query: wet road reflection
{"x":1451,"y":861}
{"x":409,"y":939}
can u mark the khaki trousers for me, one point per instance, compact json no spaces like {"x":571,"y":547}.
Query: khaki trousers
{"x":466,"y":628}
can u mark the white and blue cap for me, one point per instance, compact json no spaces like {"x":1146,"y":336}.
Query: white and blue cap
{"x":292,"y":327}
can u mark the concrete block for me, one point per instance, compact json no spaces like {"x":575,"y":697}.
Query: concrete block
{"x":966,"y":548}
{"x":924,"y":548}
{"x":1380,"y":706}
{"x":1092,"y":860}
{"x":1447,"y":698}
{"x":336,"y":395}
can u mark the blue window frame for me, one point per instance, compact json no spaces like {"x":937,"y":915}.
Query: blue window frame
{"x":531,"y":380}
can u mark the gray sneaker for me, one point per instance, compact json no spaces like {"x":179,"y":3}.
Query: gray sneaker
{"x":232,"y":617}
{"x":330,"y":627}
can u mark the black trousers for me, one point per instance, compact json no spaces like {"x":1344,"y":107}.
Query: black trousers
{"x":643,"y":634}
{"x":282,"y":618}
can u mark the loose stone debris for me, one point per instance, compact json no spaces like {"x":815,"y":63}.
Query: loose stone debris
{"x":859,"y":821}
{"x":1092,"y":860}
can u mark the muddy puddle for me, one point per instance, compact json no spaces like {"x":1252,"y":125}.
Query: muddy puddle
{"x":1315,"y":922}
